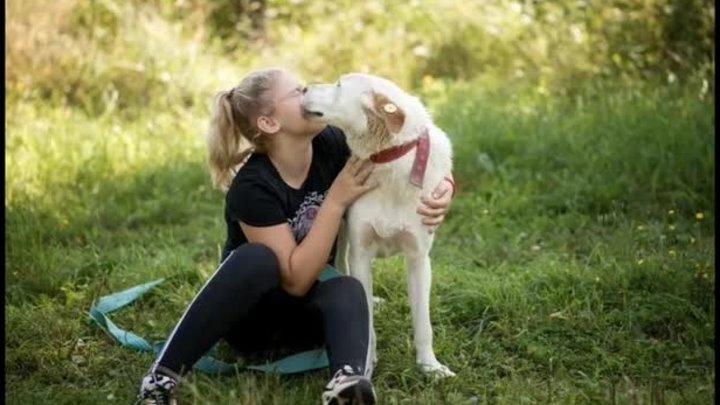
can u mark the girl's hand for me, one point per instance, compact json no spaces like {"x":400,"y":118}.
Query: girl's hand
{"x":351,"y":182}
{"x":435,"y":208}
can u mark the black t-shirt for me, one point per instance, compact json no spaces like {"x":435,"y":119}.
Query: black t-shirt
{"x":258,"y":196}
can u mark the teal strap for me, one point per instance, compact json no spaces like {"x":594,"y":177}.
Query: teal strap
{"x":297,"y":363}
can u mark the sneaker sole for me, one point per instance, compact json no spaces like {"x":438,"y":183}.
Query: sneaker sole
{"x":358,"y":394}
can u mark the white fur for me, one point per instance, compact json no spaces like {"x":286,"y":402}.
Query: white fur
{"x":385,"y":221}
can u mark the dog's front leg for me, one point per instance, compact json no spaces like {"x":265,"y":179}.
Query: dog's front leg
{"x":419,"y":281}
{"x":341,"y":250}
{"x":361,"y":268}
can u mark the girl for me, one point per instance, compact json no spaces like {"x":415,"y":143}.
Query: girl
{"x":287,"y":182}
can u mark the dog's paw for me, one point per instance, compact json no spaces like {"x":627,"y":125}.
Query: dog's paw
{"x":436,"y":370}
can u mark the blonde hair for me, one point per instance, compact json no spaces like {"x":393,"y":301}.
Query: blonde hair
{"x":233,"y":134}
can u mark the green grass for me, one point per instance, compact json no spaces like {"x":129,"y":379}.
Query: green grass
{"x":572,"y":269}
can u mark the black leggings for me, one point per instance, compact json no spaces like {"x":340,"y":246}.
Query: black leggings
{"x":244,"y":304}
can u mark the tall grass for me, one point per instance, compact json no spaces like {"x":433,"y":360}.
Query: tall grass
{"x":577,"y":257}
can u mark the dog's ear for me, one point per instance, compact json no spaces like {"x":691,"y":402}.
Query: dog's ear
{"x":391,"y":113}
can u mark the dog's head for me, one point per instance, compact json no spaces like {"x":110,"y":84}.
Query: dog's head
{"x":369,"y":109}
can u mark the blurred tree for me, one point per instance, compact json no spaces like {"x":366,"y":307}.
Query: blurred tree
{"x":238,"y":21}
{"x":84,"y":52}
{"x":688,"y":34}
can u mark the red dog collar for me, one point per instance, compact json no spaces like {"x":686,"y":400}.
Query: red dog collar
{"x":417,"y":174}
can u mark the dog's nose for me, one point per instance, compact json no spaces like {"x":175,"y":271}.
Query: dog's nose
{"x":304,"y":90}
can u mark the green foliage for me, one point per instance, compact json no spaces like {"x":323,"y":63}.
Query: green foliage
{"x":109,"y":58}
{"x":588,"y":135}
{"x":109,"y":55}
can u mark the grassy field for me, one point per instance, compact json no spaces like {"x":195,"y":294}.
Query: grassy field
{"x":576,"y":265}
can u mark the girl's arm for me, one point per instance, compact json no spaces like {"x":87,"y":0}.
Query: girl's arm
{"x":301,"y":264}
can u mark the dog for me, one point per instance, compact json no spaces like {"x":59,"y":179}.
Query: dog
{"x":412,"y":155}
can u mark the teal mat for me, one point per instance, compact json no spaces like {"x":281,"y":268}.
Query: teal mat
{"x":297,"y":363}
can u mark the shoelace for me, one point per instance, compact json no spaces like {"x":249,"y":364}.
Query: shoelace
{"x":345,"y":371}
{"x":159,"y":393}
{"x":160,"y":396}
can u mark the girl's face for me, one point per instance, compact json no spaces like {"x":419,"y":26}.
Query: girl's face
{"x":288,"y":112}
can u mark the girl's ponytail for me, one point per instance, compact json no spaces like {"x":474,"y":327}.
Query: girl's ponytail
{"x":227,"y":149}
{"x":233,"y":134}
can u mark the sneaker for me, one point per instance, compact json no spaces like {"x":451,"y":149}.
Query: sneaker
{"x":348,"y":388}
{"x":157,"y":389}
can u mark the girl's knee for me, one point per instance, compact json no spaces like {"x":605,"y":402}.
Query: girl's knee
{"x":253,"y":262}
{"x":344,"y":289}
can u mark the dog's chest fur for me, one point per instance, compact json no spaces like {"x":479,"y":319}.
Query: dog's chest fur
{"x":386,"y":218}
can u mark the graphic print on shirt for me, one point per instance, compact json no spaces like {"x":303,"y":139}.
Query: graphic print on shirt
{"x":305,"y":215}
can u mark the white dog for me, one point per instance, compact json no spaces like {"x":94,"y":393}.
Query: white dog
{"x":412,"y":157}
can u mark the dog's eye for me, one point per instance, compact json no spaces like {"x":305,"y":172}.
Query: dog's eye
{"x":338,"y":84}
